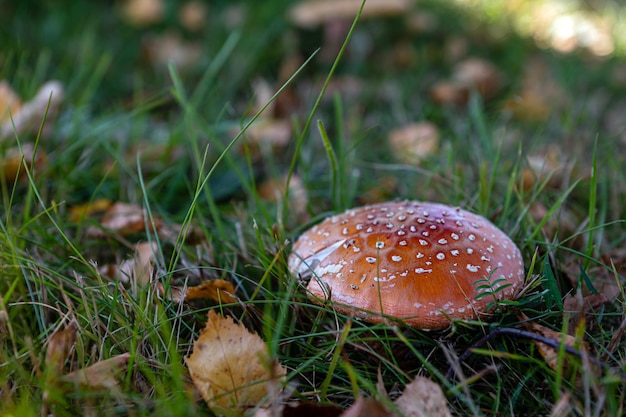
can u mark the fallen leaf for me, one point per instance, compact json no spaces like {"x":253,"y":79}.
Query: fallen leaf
{"x":414,"y":142}
{"x":577,"y":307}
{"x":274,"y":133}
{"x":60,"y":344}
{"x":540,"y":94}
{"x":193,"y":15}
{"x":137,"y":270}
{"x":273,"y":189}
{"x":230,"y":366}
{"x":143,"y":12}
{"x":144,"y":262}
{"x":101,"y":375}
{"x":170,"y":48}
{"x":423,"y":398}
{"x":471,"y":74}
{"x":449,"y":93}
{"x":218,"y":290}
{"x":563,"y":407}
{"x":312,"y":13}
{"x":123,"y":219}
{"x":366,"y":407}
{"x":46,"y":102}
{"x":16,"y":160}
{"x":479,"y":74}
{"x":93,"y":208}
{"x":10,"y":101}
{"x":548,"y":353}
{"x":301,"y":410}
{"x":4,"y":318}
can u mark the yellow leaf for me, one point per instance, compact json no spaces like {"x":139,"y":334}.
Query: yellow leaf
{"x":95,"y":207}
{"x":218,"y":290}
{"x":230,"y":366}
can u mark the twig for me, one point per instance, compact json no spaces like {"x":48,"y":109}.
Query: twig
{"x":532,"y":336}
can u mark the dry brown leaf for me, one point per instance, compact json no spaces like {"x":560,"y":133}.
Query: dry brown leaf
{"x":312,"y":13}
{"x":46,"y":102}
{"x":193,"y":15}
{"x":366,"y":407}
{"x":15,"y":158}
{"x":144,"y":262}
{"x":275,"y":133}
{"x":218,"y":290}
{"x":60,"y":344}
{"x":540,"y":94}
{"x":143,"y":12}
{"x":480,"y":75}
{"x":548,"y":353}
{"x":10,"y":101}
{"x":423,"y":398}
{"x":471,"y":74}
{"x":123,"y":219}
{"x":449,"y":93}
{"x":414,"y":142}
{"x":93,"y":208}
{"x":169,"y":48}
{"x":101,"y":375}
{"x":230,"y":366}
{"x":273,"y":189}
{"x":4,"y":318}
{"x":138,"y":270}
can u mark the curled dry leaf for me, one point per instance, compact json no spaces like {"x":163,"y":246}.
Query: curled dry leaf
{"x":231,"y":367}
{"x":548,"y":353}
{"x":193,"y":15}
{"x":312,"y":13}
{"x":218,"y":290}
{"x":414,"y":142}
{"x":96,"y":207}
{"x":423,"y":398}
{"x":60,"y":344}
{"x":302,"y":410}
{"x":273,"y":190}
{"x":10,"y":101}
{"x":549,"y":165}
{"x":366,"y":407}
{"x":101,"y":375}
{"x":16,"y":160}
{"x":28,"y":119}
{"x":123,"y":219}
{"x":169,"y":48}
{"x":139,"y":269}
{"x":4,"y":318}
{"x":274,"y":133}
{"x":143,"y":12}
{"x":539,"y":96}
{"x":471,"y":74}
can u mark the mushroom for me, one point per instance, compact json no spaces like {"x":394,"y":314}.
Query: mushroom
{"x":427,"y":264}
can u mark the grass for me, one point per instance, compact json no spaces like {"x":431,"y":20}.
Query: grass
{"x":176,"y":143}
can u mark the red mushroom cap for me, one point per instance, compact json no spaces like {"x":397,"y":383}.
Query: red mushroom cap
{"x":424,"y":263}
